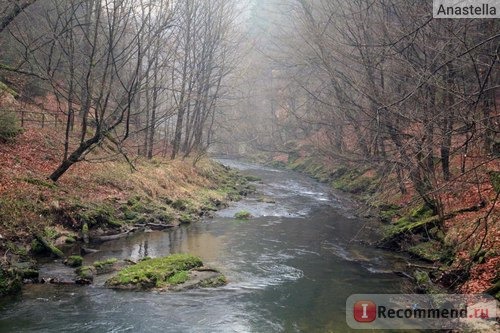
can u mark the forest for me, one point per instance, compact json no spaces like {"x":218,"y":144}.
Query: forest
{"x":113,"y":111}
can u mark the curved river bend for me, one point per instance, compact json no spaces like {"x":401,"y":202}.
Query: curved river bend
{"x":290,"y":269}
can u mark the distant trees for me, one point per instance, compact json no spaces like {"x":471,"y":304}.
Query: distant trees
{"x":383,"y":83}
{"x":122,"y":69}
{"x":10,"y":9}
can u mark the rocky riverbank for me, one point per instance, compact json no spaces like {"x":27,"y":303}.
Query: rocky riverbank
{"x":97,"y":203}
{"x":404,"y":224}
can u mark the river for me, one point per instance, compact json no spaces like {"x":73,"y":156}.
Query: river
{"x":290,"y":269}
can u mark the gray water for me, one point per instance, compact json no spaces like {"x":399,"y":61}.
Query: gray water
{"x":290,"y":269}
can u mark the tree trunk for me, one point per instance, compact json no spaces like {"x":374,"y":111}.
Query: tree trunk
{"x":74,"y":157}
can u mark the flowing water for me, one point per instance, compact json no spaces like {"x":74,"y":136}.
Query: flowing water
{"x":290,"y":268}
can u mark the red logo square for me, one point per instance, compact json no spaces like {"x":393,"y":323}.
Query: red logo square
{"x":365,"y":311}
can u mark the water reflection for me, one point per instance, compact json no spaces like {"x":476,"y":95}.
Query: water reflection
{"x":290,"y":270}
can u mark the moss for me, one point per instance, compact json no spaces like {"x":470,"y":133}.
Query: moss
{"x":105,"y":266}
{"x":17,"y":249}
{"x":251,"y":178}
{"x":70,"y":240}
{"x":407,"y":225}
{"x":430,"y":251}
{"x":37,"y":247}
{"x":181,"y":204}
{"x":86,"y":272}
{"x":48,"y":246}
{"x":39,"y":182}
{"x":356,"y":185}
{"x":243,"y":215}
{"x":186,"y":218}
{"x":74,"y":261}
{"x":178,"y":278}
{"x":214,"y":282}
{"x":7,"y":89}
{"x":50,"y":233}
{"x":151,"y":273}
{"x":388,"y":212}
{"x":100,"y":214}
{"x":24,"y":269}
{"x":421,"y":212}
{"x":10,"y":282}
{"x":104,"y":263}
{"x":495,"y":180}
{"x":9,"y":126}
{"x":140,"y":205}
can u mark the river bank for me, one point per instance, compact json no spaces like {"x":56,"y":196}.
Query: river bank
{"x":96,"y":202}
{"x":452,"y":262}
{"x":290,"y":267}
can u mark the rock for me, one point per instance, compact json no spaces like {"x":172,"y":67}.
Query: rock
{"x":87,"y":250}
{"x":10,"y":282}
{"x":265,"y":199}
{"x":174,"y":272}
{"x":49,"y":246}
{"x":201,"y":278}
{"x":73,"y":261}
{"x":86,"y":273}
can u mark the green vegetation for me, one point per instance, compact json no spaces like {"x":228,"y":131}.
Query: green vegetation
{"x":98,"y":214}
{"x":9,"y":282}
{"x":104,"y":263}
{"x":9,"y":127}
{"x":431,"y":250}
{"x":86,"y":272}
{"x":417,"y":219}
{"x":105,"y":266}
{"x":39,"y":182}
{"x":388,"y":212}
{"x":156,"y":273}
{"x":178,"y":278}
{"x":251,"y":178}
{"x":243,"y":215}
{"x":495,"y":180}
{"x":48,"y":246}
{"x":74,"y":261}
{"x":214,"y":282}
{"x":7,"y":89}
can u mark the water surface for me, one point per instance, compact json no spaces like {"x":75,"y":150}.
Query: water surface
{"x":290,"y":269}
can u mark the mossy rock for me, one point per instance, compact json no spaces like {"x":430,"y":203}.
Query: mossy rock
{"x":36,"y":247}
{"x":153,"y":273}
{"x":176,"y":272}
{"x":430,"y":251}
{"x":105,"y":266}
{"x":47,"y":246}
{"x":73,"y":261}
{"x":10,"y":282}
{"x":243,"y":215}
{"x":70,"y":240}
{"x":251,"y":178}
{"x":25,"y":269}
{"x":86,"y":273}
{"x":99,"y":215}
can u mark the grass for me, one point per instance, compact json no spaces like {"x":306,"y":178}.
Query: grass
{"x":156,"y":272}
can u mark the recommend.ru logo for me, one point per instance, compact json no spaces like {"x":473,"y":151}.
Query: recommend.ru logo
{"x":416,"y":311}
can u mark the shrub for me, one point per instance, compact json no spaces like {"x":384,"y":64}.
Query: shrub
{"x":9,"y":126}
